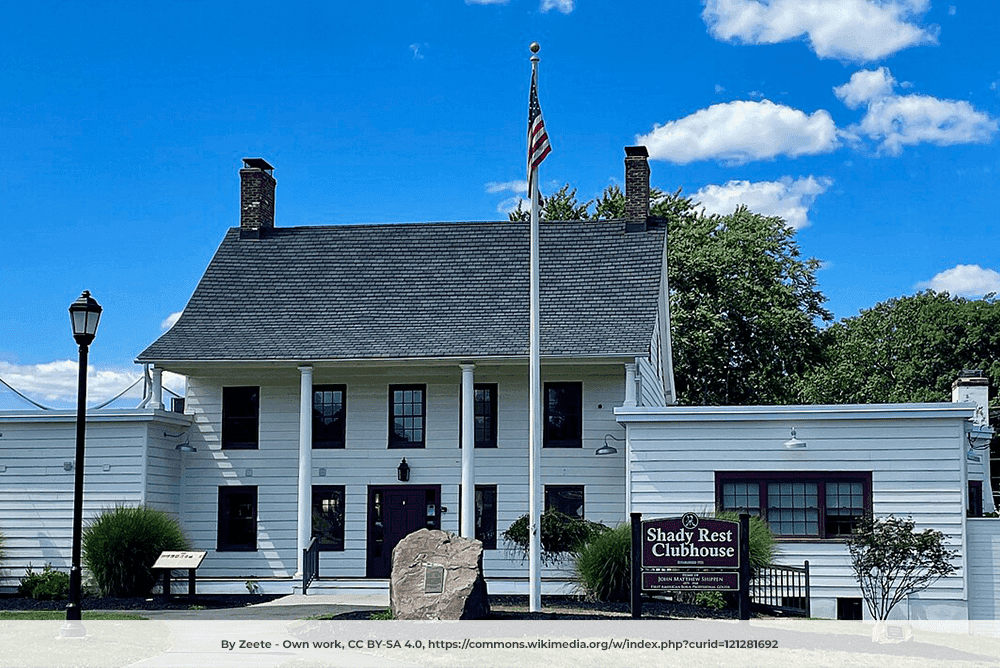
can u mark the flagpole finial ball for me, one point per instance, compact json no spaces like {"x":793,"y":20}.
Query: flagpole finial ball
{"x":534,"y":47}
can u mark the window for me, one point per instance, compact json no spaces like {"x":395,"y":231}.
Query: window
{"x":329,"y":412}
{"x":485,"y":408}
{"x":563,"y":426}
{"x":567,"y":499}
{"x":407,"y":410}
{"x":798,"y":505}
{"x":486,"y":514}
{"x":975,"y":508}
{"x":237,"y":519}
{"x":240,"y":418}
{"x":328,"y":517}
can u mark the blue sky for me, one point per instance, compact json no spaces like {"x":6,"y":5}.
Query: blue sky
{"x":870,"y":126}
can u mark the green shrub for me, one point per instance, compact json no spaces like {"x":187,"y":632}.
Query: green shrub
{"x":604,"y":564}
{"x":561,"y":535}
{"x":49,"y":585}
{"x":121,"y":545}
{"x":713,"y":600}
{"x":761,"y":539}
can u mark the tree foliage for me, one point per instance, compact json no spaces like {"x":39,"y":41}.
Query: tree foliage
{"x":743,"y":302}
{"x":906,"y":349}
{"x":561,"y":535}
{"x":892,"y":561}
{"x":743,"y":306}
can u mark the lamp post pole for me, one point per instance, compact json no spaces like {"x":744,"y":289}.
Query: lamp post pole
{"x":85,"y":313}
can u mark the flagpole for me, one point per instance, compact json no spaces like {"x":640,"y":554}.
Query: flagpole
{"x":535,"y":391}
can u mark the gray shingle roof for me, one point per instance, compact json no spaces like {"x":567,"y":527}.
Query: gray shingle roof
{"x":419,"y":290}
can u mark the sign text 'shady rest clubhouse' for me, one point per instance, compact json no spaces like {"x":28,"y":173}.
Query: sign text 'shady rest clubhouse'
{"x":674,"y":543}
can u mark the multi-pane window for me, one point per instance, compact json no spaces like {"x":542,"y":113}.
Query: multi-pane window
{"x":798,"y":505}
{"x":328,"y":517}
{"x":329,"y":408}
{"x":563,"y":420}
{"x":240,"y":418}
{"x":485,"y":421}
{"x":407,"y":413}
{"x":486,"y":514}
{"x":237,"y":530}
{"x":567,"y":499}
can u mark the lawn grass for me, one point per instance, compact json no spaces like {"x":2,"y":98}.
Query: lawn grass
{"x":42,"y":615}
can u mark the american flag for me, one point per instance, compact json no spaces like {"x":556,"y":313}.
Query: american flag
{"x":538,"y":139}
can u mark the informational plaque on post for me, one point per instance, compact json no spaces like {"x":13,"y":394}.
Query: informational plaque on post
{"x":179,"y":560}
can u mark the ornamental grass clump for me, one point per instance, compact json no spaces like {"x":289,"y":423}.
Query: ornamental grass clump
{"x":121,"y":545}
{"x":604,"y":565}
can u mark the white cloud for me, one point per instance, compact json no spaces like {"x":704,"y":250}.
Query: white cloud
{"x":865,"y":86}
{"x":719,"y":88}
{"x":54,"y":384}
{"x":415,"y":48}
{"x":964,"y":280}
{"x":564,"y":6}
{"x":895,"y":121}
{"x":855,"y":30}
{"x":912,"y":119}
{"x":170,"y":320}
{"x":512,"y":204}
{"x":786,"y":198}
{"x":515,"y":186}
{"x":741,"y":131}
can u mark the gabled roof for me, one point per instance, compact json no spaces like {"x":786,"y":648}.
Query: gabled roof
{"x":419,"y":290}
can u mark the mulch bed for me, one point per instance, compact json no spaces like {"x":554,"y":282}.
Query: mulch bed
{"x":573,"y":607}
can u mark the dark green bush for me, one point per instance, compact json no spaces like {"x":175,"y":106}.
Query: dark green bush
{"x":561,"y":535}
{"x":49,"y":585}
{"x":604,"y":564}
{"x":121,"y":545}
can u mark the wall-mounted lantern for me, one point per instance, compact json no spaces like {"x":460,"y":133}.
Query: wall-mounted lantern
{"x":403,"y":471}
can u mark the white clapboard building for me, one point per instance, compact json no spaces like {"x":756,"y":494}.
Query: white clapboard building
{"x":325,"y":367}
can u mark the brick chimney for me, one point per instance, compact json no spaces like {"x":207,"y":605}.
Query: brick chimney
{"x":256,"y":198}
{"x":636,"y":188}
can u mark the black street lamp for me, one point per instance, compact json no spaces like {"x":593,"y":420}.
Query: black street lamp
{"x":84,"y":314}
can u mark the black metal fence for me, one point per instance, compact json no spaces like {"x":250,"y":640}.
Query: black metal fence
{"x":310,"y":564}
{"x":782,"y":589}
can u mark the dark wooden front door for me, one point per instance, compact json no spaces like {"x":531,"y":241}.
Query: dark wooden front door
{"x":394,"y":512}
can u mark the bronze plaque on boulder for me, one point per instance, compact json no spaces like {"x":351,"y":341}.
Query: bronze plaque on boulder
{"x":433,"y":579}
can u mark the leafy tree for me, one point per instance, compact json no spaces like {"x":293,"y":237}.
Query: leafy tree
{"x":892,"y":561}
{"x":560,"y":205}
{"x":743,"y":305}
{"x":906,"y":349}
{"x":743,"y":302}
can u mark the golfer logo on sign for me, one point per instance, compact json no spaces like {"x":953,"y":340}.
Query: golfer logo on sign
{"x":689,"y":521}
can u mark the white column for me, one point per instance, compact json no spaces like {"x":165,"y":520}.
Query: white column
{"x":305,"y":464}
{"x":629,"y":385}
{"x":157,"y":403}
{"x":468,"y":501}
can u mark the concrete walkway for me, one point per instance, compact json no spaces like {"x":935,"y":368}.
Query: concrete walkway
{"x":294,"y":606}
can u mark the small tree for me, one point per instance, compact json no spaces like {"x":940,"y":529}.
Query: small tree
{"x":892,"y":561}
{"x":560,"y":535}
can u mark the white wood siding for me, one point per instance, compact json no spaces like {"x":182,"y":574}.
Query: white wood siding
{"x":366,"y":460}
{"x":916,"y":465}
{"x":36,"y":491}
{"x":984,"y":568}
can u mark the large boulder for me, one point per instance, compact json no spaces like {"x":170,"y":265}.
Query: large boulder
{"x":438,"y":575}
